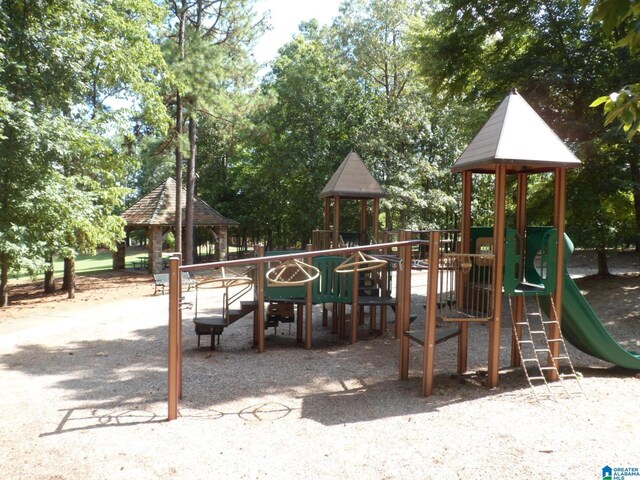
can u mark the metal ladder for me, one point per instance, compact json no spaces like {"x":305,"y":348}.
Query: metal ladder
{"x":534,"y":346}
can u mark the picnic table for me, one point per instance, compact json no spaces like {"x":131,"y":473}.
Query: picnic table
{"x":141,"y":263}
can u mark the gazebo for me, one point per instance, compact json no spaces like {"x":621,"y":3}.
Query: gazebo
{"x":352,"y":181}
{"x":514,"y":141}
{"x":155,"y":212}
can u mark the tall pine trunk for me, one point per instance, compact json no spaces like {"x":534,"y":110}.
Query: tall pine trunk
{"x":178,"y":216}
{"x":191,"y":187}
{"x":182,"y":39}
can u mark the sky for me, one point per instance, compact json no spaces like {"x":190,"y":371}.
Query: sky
{"x":286,"y":15}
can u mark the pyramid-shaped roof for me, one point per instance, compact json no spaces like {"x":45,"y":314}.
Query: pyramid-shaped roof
{"x":516,"y":136}
{"x":159,"y":208}
{"x":352,"y":180}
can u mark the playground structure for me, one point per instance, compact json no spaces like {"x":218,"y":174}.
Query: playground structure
{"x":467,"y":275}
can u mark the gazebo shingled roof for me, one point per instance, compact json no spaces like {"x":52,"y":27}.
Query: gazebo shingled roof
{"x":515,"y":136}
{"x":352,"y":180}
{"x":158,"y":208}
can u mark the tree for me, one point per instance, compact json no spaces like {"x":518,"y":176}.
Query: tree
{"x":208,"y":53}
{"x":476,"y":52}
{"x":60,"y":62}
{"x":374,"y":40}
{"x":620,"y":19}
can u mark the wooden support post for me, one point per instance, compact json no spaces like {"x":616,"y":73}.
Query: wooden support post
{"x":404,"y":304}
{"x":518,"y":301}
{"x":363,"y":222}
{"x":399,"y":286}
{"x":463,"y":338}
{"x":327,"y":216}
{"x":498,"y":275}
{"x":336,"y":222}
{"x":354,"y":306}
{"x":309,"y":307}
{"x":260,"y":293}
{"x":174,"y":326}
{"x":559,"y":223}
{"x":428,"y":359}
{"x":376,"y":223}
{"x":299,"y":322}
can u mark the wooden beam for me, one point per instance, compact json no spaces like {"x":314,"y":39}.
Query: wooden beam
{"x":559,"y":221}
{"x":518,"y":301}
{"x":363,"y":222}
{"x":327,"y":213}
{"x":465,"y":227}
{"x":260,"y":292}
{"x":428,"y":360}
{"x":174,"y":315}
{"x":309,"y":307}
{"x":403,"y":296}
{"x":376,"y":223}
{"x":336,"y":222}
{"x":499,"y":225}
{"x":354,"y":306}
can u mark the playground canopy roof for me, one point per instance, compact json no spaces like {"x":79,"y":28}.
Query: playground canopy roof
{"x":158,"y":208}
{"x":352,"y":180}
{"x":515,"y":136}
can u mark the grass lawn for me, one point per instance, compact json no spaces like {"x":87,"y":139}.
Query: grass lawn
{"x":101,"y":262}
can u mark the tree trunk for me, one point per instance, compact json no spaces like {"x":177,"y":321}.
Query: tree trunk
{"x":49,"y":286}
{"x":191,"y":187}
{"x":178,"y":219}
{"x":69,"y":277}
{"x":4,"y":281}
{"x":388,"y":220}
{"x":603,"y":265}
{"x":182,"y":40}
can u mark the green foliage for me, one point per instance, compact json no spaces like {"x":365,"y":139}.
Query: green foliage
{"x":60,"y":172}
{"x":474,"y":53}
{"x":620,"y":19}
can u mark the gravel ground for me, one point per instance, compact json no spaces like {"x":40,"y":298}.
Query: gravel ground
{"x":84,"y":397}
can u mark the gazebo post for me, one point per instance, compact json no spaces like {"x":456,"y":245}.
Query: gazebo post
{"x":154,"y":247}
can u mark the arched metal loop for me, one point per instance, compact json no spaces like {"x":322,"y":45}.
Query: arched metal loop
{"x":225,"y":282}
{"x":292,"y":273}
{"x":360,"y":262}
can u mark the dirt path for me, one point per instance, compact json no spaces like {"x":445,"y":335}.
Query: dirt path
{"x":84,"y":397}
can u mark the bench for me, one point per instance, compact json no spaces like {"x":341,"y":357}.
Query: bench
{"x":161,"y":281}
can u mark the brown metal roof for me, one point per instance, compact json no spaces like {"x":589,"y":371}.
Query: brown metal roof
{"x":352,"y":180}
{"x":158,"y":208}
{"x":516,"y":136}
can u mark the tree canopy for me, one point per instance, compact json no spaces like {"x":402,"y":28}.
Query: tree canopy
{"x":100,"y":101}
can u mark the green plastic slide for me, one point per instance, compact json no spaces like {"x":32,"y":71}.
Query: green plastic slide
{"x":584,"y":330}
{"x":580,"y":324}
